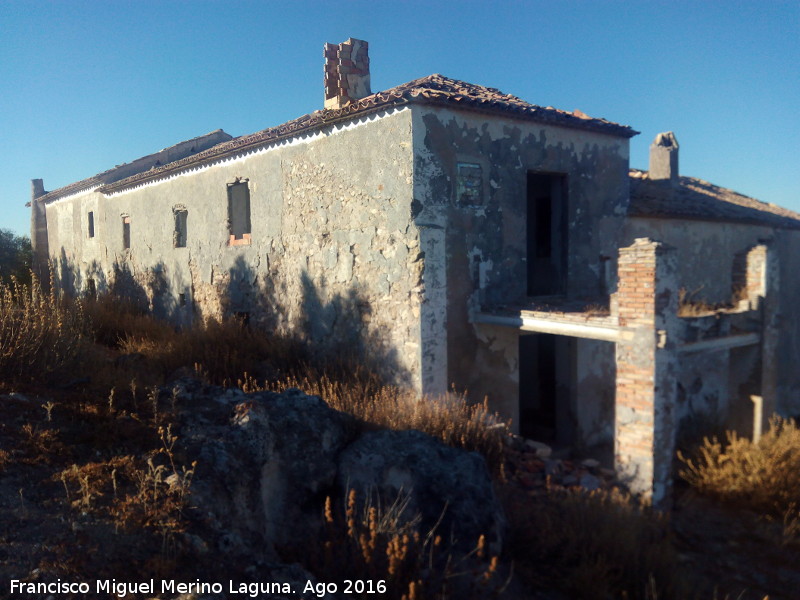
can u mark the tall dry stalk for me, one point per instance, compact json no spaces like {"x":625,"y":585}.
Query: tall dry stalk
{"x":41,"y":334}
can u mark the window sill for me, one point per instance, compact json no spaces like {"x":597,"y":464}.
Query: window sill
{"x":245,"y":241}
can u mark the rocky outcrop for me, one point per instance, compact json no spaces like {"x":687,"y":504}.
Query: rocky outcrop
{"x":267,"y":461}
{"x":449,"y":489}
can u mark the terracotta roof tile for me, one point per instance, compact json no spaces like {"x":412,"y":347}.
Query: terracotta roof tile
{"x":699,"y":200}
{"x":434,"y":89}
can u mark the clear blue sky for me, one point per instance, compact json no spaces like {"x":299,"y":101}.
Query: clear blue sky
{"x":88,"y":85}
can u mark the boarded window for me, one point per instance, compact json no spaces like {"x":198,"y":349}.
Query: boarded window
{"x":126,"y":233}
{"x":469,"y":184}
{"x":91,"y":224}
{"x":179,"y":235}
{"x":239,"y":210}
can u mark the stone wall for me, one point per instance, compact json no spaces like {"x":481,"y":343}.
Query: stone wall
{"x":332,"y":256}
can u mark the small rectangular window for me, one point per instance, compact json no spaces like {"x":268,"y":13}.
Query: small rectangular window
{"x":239,"y":212}
{"x":179,"y":235}
{"x":182,"y":299}
{"x":469,"y":190}
{"x":91,"y":288}
{"x":91,"y":224}
{"x":126,"y":233}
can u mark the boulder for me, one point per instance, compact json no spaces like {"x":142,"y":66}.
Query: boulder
{"x":263,"y":467}
{"x":443,"y":485}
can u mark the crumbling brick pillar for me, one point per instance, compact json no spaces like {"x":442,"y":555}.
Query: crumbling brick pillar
{"x":346,"y":72}
{"x":748,"y":280}
{"x":644,"y":440}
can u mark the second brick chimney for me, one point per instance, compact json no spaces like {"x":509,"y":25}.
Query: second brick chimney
{"x":346,"y":72}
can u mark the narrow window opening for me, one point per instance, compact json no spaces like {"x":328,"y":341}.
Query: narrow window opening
{"x":546,"y":233}
{"x":91,"y":224}
{"x":182,"y":299}
{"x":91,"y":288}
{"x":126,"y":233}
{"x":239,"y":212}
{"x":180,"y":232}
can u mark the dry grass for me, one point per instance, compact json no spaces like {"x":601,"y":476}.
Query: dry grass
{"x":448,"y":418}
{"x":385,"y":547}
{"x":41,"y":334}
{"x":116,"y":319}
{"x":763,"y":476}
{"x":689,"y":305}
{"x":594,"y":545}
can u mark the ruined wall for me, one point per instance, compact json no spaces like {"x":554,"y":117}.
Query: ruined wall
{"x":480,"y":242}
{"x":332,"y":254}
{"x":716,"y":386}
{"x":705,"y":250}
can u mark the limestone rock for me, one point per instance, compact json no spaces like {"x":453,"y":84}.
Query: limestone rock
{"x":441,"y":483}
{"x":264,"y":459}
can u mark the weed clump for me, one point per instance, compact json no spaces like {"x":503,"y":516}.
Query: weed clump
{"x":763,"y":476}
{"x":41,"y":334}
{"x":395,"y":560}
{"x":592,"y":545}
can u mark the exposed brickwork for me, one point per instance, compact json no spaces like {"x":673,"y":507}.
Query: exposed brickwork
{"x":646,"y":357}
{"x":748,"y":280}
{"x":346,"y":72}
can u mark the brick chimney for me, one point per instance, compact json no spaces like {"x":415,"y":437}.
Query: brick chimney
{"x":346,"y":72}
{"x":664,"y":158}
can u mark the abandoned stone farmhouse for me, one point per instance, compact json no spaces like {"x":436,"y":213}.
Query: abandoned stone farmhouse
{"x":457,"y":235}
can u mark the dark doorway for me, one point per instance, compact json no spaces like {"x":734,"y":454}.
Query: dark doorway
{"x":546,"y":233}
{"x":545,"y":371}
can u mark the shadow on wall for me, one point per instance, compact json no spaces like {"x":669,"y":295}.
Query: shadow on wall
{"x":337,"y":326}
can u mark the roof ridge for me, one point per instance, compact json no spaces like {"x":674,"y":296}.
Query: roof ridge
{"x":434,"y":89}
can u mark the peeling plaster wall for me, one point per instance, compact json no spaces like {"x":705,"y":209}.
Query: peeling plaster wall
{"x":333,"y":253}
{"x":483,"y":263}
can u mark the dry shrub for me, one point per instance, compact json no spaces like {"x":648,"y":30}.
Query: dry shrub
{"x":762,"y":476}
{"x":116,"y":319}
{"x":41,"y":334}
{"x":225,"y":350}
{"x":384,"y":549}
{"x":135,"y":492}
{"x":691,"y":306}
{"x":448,"y":418}
{"x":592,"y":545}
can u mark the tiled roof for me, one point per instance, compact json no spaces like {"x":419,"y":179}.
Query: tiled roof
{"x":143,"y":164}
{"x":434,"y":89}
{"x":696,"y":199}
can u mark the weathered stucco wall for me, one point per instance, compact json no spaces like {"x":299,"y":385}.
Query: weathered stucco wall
{"x":332,"y":254}
{"x":481,"y":245}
